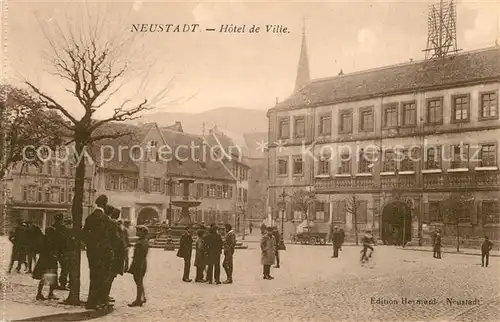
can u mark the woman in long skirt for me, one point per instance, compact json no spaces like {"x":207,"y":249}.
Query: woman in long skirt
{"x":46,"y":267}
{"x":139,"y":265}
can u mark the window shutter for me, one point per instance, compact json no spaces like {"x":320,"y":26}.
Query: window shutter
{"x":426,"y":216}
{"x":326,"y":208}
{"x":476,"y":211}
{"x":472,"y":211}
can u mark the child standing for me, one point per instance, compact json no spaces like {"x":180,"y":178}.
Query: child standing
{"x":46,"y":267}
{"x":485,"y":251}
{"x":139,"y":265}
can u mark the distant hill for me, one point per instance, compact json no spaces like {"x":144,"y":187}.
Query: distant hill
{"x":237,"y":120}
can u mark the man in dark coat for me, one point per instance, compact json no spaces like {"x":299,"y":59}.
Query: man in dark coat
{"x":35,"y":240}
{"x":214,"y":249}
{"x":116,"y":238}
{"x":18,"y":238}
{"x":126,"y":245}
{"x":342,"y":238}
{"x":185,"y":251}
{"x":97,"y":236}
{"x":229,"y":244}
{"x":485,"y":250}
{"x":337,"y":241}
{"x":65,"y":242}
{"x":437,"y":245}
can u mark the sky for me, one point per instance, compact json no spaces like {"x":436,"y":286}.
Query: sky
{"x":206,"y":70}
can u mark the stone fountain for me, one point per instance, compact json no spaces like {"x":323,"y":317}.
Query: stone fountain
{"x":175,"y":231}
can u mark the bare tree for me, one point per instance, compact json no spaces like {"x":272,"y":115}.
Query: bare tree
{"x":456,"y":209}
{"x":302,"y":200}
{"x":95,"y":70}
{"x":24,"y":128}
{"x":352,"y":205}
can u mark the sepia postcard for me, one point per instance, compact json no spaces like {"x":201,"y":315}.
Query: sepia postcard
{"x":249,"y":160}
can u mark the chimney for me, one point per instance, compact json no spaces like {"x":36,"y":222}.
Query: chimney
{"x":341,"y":72}
{"x":277,"y":101}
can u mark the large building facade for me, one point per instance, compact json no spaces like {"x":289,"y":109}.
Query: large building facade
{"x":390,"y":149}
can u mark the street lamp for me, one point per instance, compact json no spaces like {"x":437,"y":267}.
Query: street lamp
{"x":244,"y":226}
{"x":283,"y":195}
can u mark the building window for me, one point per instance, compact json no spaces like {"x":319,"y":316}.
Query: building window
{"x":488,"y":106}
{"x":62,"y":195}
{"x":460,"y":110}
{"x":488,"y":155}
{"x":345,"y":163}
{"x":320,"y":211}
{"x":211,"y":191}
{"x":298,"y":166}
{"x":389,"y":164}
{"x":48,"y":194}
{"x":365,"y":162}
{"x":282,"y":166}
{"x":345,"y":124}
{"x":284,"y":128}
{"x":40,"y":194}
{"x":49,"y":167}
{"x":299,"y":127}
{"x":491,"y":212}
{"x":54,"y":194}
{"x":409,"y":114}
{"x":433,"y":158}
{"x":123,"y":183}
{"x":225,"y":191}
{"x":407,"y":163}
{"x":70,"y":195}
{"x":324,"y":165}
{"x":435,"y":111}
{"x":134,"y":183}
{"x":62,"y":169}
{"x":460,"y":156}
{"x":325,"y":125}
{"x":25,"y":193}
{"x":199,"y":190}
{"x":115,"y":182}
{"x":366,"y":119}
{"x":435,"y":214}
{"x":245,"y":195}
{"x":156,"y":184}
{"x":297,"y":215}
{"x":153,"y":144}
{"x":390,"y":115}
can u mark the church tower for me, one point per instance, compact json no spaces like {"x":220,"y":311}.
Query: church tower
{"x":303,"y":76}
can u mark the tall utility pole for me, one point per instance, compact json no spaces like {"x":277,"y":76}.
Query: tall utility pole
{"x":283,"y":196}
{"x":442,"y":30}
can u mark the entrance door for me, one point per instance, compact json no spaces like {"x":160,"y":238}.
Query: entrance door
{"x":396,"y":223}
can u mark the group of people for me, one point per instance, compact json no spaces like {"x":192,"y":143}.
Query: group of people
{"x":49,"y":251}
{"x":107,"y":246}
{"x":209,"y":247}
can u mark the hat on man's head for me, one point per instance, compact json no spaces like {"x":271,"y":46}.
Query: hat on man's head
{"x":59,"y":217}
{"x":101,"y":200}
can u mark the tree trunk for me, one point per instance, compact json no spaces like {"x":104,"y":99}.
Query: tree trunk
{"x":355,"y":214}
{"x":77,"y":211}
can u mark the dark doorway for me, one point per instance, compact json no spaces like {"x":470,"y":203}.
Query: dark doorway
{"x":147,"y":216}
{"x":396,"y":223}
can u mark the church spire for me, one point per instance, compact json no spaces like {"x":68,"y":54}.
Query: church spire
{"x":303,"y":76}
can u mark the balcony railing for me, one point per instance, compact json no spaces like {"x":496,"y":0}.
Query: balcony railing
{"x":344,"y":183}
{"x":430,"y":181}
{"x":455,"y":180}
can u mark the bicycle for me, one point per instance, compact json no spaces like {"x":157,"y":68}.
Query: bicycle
{"x":366,"y":260}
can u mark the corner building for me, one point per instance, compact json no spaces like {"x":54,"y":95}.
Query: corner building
{"x":401,"y":140}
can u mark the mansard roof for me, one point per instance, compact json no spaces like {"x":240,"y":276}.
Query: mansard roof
{"x":458,"y":70}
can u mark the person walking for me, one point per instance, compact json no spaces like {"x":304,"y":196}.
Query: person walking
{"x":200,"y":256}
{"x":268,"y":249}
{"x":35,"y":241}
{"x":229,"y":244}
{"x":214,"y":246}
{"x":485,"y":251}
{"x":139,"y":265}
{"x":250,"y":228}
{"x":337,"y":241}
{"x":185,"y":251}
{"x":98,"y":240}
{"x":65,"y":251}
{"x":46,"y":267}
{"x":277,"y":239}
{"x":437,"y":245}
{"x":18,"y":238}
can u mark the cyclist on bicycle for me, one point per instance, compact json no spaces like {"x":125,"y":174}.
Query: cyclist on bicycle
{"x":367,"y":241}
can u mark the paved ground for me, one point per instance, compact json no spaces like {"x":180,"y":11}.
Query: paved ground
{"x":310,"y":286}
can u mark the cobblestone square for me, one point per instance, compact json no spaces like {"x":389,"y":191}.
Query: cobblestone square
{"x":309,"y":286}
